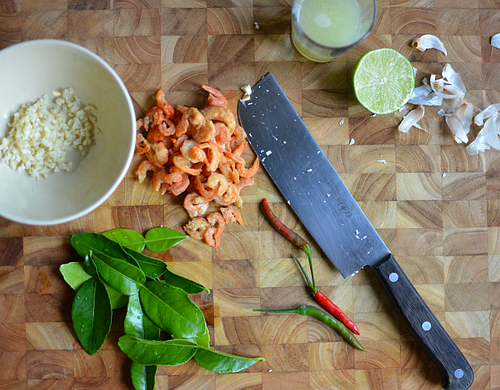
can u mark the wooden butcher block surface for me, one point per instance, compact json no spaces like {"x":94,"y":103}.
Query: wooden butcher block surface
{"x":436,"y":207}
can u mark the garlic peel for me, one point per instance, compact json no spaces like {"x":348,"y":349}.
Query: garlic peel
{"x":489,"y":111}
{"x":455,"y":125}
{"x":453,"y":77}
{"x":495,"y":41}
{"x":428,"y":41}
{"x":487,"y":137}
{"x":459,"y":123}
{"x":411,"y":119}
{"x":421,"y":91}
{"x":420,"y":127}
{"x":431,"y":99}
{"x":423,"y":95}
{"x":450,"y":106}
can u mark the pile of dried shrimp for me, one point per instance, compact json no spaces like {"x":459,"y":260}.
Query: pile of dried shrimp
{"x":197,"y":152}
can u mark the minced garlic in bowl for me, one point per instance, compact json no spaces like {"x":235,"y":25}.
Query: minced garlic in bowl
{"x":39,"y":137}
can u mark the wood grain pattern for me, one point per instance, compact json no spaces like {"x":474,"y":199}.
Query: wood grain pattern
{"x":437,"y":208}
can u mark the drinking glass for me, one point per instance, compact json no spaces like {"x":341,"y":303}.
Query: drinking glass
{"x":324,"y":29}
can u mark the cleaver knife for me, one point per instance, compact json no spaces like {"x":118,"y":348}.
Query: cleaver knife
{"x":319,"y":198}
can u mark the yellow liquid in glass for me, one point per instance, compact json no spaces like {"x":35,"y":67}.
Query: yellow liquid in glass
{"x":331,"y":23}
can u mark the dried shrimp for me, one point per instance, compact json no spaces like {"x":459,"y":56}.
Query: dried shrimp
{"x":197,"y":153}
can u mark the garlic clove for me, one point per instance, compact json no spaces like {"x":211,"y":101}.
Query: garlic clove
{"x":436,"y":85}
{"x":411,"y":119}
{"x":428,"y":41}
{"x":448,"y":89}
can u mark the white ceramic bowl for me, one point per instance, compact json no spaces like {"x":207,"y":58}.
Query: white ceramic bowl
{"x":31,"y":69}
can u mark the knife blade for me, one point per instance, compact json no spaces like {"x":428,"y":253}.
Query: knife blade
{"x":316,"y":193}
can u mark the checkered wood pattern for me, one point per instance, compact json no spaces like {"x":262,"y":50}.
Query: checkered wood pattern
{"x":437,"y":208}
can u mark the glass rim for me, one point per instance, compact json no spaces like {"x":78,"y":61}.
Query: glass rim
{"x":321,"y":46}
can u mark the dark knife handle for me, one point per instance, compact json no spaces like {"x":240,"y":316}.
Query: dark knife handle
{"x":456,"y":373}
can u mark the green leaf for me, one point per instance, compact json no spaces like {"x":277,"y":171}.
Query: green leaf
{"x":84,"y":243}
{"x":161,"y":239}
{"x":143,"y":377}
{"x":137,"y":323}
{"x":188,"y":285}
{"x":89,"y":265}
{"x":74,"y":274}
{"x":171,"y":309}
{"x":204,"y":339}
{"x":127,"y":238}
{"x":91,"y":314}
{"x":161,"y":353}
{"x":222,"y":362}
{"x":119,"y":274}
{"x":116,"y":298}
{"x":153,"y":268}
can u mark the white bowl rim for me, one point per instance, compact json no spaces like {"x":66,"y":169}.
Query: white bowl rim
{"x":121,"y":85}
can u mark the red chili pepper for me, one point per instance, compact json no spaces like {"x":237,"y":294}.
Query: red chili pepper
{"x":285,"y":231}
{"x":335,"y":311}
{"x":321,"y":298}
{"x":288,"y":233}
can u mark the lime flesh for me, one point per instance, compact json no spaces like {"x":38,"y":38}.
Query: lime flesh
{"x":383,"y":81}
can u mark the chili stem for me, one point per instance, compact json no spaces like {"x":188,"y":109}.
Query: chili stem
{"x":307,"y":249}
{"x":324,"y":317}
{"x":312,"y":286}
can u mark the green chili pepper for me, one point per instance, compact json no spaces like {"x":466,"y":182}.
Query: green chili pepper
{"x":324,"y":317}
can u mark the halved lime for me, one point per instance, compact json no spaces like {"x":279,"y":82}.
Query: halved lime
{"x":383,"y":80}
